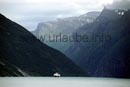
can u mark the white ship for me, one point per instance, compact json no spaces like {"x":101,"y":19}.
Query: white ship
{"x":56,"y":75}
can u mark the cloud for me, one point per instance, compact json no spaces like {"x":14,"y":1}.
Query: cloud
{"x":120,"y":4}
{"x":30,"y":12}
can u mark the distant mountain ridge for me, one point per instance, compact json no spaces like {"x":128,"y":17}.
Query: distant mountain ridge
{"x":21,"y":53}
{"x":63,"y":26}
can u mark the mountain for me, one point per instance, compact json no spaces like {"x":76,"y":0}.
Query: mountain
{"x":109,"y":57}
{"x":21,"y":54}
{"x":63,"y":26}
{"x":7,"y":69}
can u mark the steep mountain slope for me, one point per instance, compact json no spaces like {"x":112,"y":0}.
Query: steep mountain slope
{"x":108,"y":58}
{"x":64,"y":26}
{"x":7,"y":69}
{"x":21,"y":51}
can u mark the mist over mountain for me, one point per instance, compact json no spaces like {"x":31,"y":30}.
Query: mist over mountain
{"x":21,"y":54}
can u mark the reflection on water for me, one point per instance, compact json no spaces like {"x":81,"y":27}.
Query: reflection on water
{"x":62,"y":82}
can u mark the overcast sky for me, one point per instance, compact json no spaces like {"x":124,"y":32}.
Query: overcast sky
{"x":30,"y":12}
